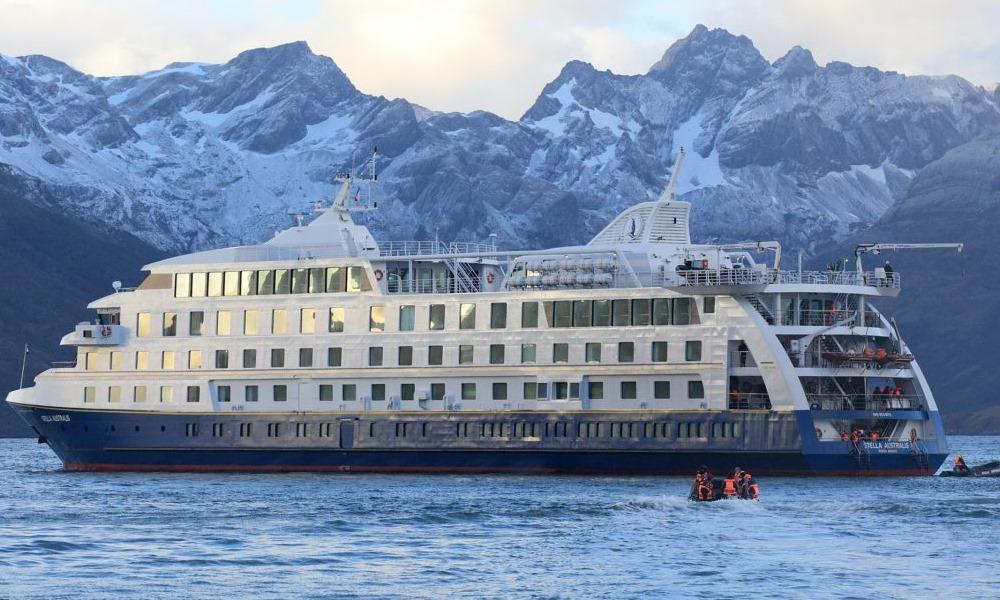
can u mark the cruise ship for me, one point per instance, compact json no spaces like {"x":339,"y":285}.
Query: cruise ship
{"x":639,"y":352}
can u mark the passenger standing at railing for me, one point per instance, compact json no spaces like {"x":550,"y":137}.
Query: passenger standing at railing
{"x":888,"y":270}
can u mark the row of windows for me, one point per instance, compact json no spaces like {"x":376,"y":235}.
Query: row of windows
{"x":593,"y":353}
{"x":271,"y":281}
{"x":531,"y":390}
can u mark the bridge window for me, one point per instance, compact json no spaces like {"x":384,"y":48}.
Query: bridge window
{"x":357,"y":280}
{"x":196,"y":323}
{"x":435,"y":317}
{"x":465,"y":354}
{"x":282,"y":281}
{"x":602,"y":313}
{"x":593,"y":352}
{"x":435,"y":355}
{"x":248,"y":283}
{"x":307,"y":320}
{"x":529,"y":315}
{"x":249,"y":358}
{"x":250,"y":326}
{"x":224,"y":393}
{"x":182,"y":285}
{"x":280,"y":393}
{"x":325,"y":392}
{"x":265,"y":283}
{"x":628,"y":390}
{"x":640,"y":311}
{"x":692,"y":351}
{"x":407,"y":317}
{"x":621,"y":313}
{"x":305,"y":357}
{"x":350,"y":392}
{"x":231,"y":283}
{"x":300,"y":281}
{"x":682,"y":311}
{"x":661,"y":311}
{"x":467,"y":316}
{"x":333,"y":357}
{"x":582,"y":313}
{"x":169,"y":324}
{"x":336,"y":319}
{"x":214,"y":285}
{"x":661,"y":390}
{"x":199,"y":285}
{"x":194,"y":359}
{"x":335,"y":279}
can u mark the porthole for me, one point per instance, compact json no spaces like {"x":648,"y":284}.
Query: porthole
{"x":137,"y":428}
{"x":163,"y":428}
{"x":112,"y":428}
{"x":85,"y":428}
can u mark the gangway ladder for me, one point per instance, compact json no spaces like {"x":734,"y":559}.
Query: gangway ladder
{"x":862,"y":457}
{"x":761,"y":307}
{"x":919,"y":454}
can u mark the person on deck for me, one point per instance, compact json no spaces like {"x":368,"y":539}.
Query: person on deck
{"x":960,"y":466}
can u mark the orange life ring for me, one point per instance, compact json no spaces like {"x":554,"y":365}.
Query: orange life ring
{"x":490,"y":277}
{"x":379,"y":274}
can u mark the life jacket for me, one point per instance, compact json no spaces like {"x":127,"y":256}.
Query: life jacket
{"x":844,"y":437}
{"x":855,"y":437}
{"x":729,"y":486}
{"x":959,"y":463}
{"x":873,"y":436}
{"x":754,"y":491}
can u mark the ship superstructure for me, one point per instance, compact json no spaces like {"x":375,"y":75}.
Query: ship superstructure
{"x":638,"y":352}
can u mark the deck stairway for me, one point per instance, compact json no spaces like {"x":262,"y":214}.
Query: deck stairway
{"x":761,"y":307}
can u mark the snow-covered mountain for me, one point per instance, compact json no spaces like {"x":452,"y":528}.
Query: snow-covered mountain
{"x":199,"y":155}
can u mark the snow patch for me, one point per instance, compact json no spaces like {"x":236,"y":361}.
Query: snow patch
{"x":697,"y":171}
{"x":193,"y":68}
{"x":554,"y":123}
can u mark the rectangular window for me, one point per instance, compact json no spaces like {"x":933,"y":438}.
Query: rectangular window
{"x":224,"y":393}
{"x":661,"y":311}
{"x":529,"y":315}
{"x":435,"y":317}
{"x":335,"y":279}
{"x":273,"y":429}
{"x":168,"y":361}
{"x":191,"y":429}
{"x":407,"y":317}
{"x":626,"y":352}
{"x":407,"y":391}
{"x":300,"y":281}
{"x":142,"y":325}
{"x":560,"y":390}
{"x":378,"y":392}
{"x":497,"y":354}
{"x":196,"y":323}
{"x":194,"y":359}
{"x":641,"y":311}
{"x":246,"y":429}
{"x":282,"y":281}
{"x":223,"y":323}
{"x":199,"y":285}
{"x":193,"y":393}
{"x":357,"y":280}
{"x":115,"y":363}
{"x":562,"y":311}
{"x":405,"y":356}
{"x":468,"y":391}
{"x":307,"y":320}
{"x":277,"y":358}
{"x":435,"y":355}
{"x":437,"y":391}
{"x":231,"y":284}
{"x":325,"y":392}
{"x":248,"y":283}
{"x":466,"y":354}
{"x":182,"y":285}
{"x":222,"y":359}
{"x":628,"y":390}
{"x":582,"y":313}
{"x":528,"y":353}
{"x":602,"y":313}
{"x":376,"y":318}
{"x":530,"y":390}
{"x":115,"y":393}
{"x":350,"y":392}
{"x":139,"y":393}
{"x":305,"y":357}
{"x":498,"y":315}
{"x":265,"y":283}
{"x":692,"y":351}
{"x":141,"y":360}
{"x":621,"y":313}
{"x":280,"y":393}
{"x":467,"y":316}
{"x":334,"y":357}
{"x":593,"y":352}
{"x":595,"y":390}
{"x":375,"y":356}
{"x":696,"y":390}
{"x":316,"y":281}
{"x":166,"y":394}
{"x":279,"y":321}
{"x":250,"y":326}
{"x":251,"y":393}
{"x":336,"y":319}
{"x":659,"y":352}
{"x":90,"y":361}
{"x":708,"y":305}
{"x":661,"y":390}
{"x":214,"y":285}
{"x":499,"y":391}
{"x":560,"y":353}
{"x":169,"y":324}
{"x":682,"y":311}
{"x":249,"y":358}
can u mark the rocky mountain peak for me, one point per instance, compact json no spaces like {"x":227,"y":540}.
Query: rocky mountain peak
{"x":797,"y":62}
{"x":705,"y":48}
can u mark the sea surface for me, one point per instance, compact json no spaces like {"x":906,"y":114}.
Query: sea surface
{"x":122,"y":535}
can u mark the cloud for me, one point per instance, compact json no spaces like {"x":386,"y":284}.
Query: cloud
{"x":472,"y":54}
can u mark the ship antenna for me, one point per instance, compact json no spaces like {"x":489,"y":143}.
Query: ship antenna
{"x":668,"y":194}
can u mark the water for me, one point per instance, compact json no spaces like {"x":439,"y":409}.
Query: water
{"x":85,"y":535}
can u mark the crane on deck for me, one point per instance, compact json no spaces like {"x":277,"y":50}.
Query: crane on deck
{"x":876,"y":248}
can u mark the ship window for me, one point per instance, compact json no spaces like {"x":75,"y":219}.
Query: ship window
{"x":279,"y":321}
{"x":661,"y":390}
{"x":375,"y":356}
{"x":251,"y":393}
{"x":142,"y":325}
{"x":89,"y":394}
{"x":335,"y":279}
{"x":191,"y":429}
{"x":562,"y":311}
{"x":168,"y":360}
{"x":696,"y":389}
{"x":437,"y":391}
{"x":405,"y":356}
{"x":357,"y":281}
{"x":378,"y":392}
{"x":182,"y":285}
{"x":595,"y":390}
{"x":376,"y":318}
{"x":316,"y":281}
{"x":401,"y":429}
{"x":246,"y":429}
{"x":336,"y":319}
{"x":499,"y":391}
{"x":224,"y":393}
{"x":626,"y":352}
{"x":530,"y":390}
{"x":407,"y":391}
{"x":214,"y":284}
{"x":265,"y":282}
{"x":703,"y":430}
{"x":90,"y":361}
{"x":169,"y":324}
{"x":139,"y":393}
{"x":222,"y":359}
{"x":498,"y":315}
{"x":574,"y":390}
{"x":231,"y":283}
{"x":250,"y":326}
{"x":465,"y":354}
{"x":542,"y":391}
{"x":435,"y":318}
{"x":529,"y":315}
{"x":468,"y":391}
{"x":248,"y":283}
{"x":196,"y":323}
{"x":640,"y":311}
{"x":142,"y":360}
{"x":223,"y":323}
{"x":661,"y":311}
{"x":273,"y":429}
{"x":325,"y":392}
{"x":621,"y":313}
{"x":115,"y":363}
{"x":307,"y":320}
{"x":560,"y":390}
{"x":407,"y":314}
{"x":435,"y":355}
{"x":628,"y":390}
{"x":199,"y":285}
{"x":659,"y":352}
{"x":582,"y":313}
{"x":692,"y":351}
{"x":467,"y":316}
{"x":560,"y":352}
{"x":277,"y":357}
{"x":602,"y":313}
{"x":166,"y":394}
{"x":682,"y":311}
{"x":305,"y":357}
{"x":300,"y":281}
{"x":528,"y":353}
{"x":282,"y":281}
{"x":497,"y":354}
{"x":193,"y":393}
{"x":593,"y":352}
{"x":280,"y":393}
{"x":194,"y":359}
{"x":333,"y":357}
{"x":708,"y":304}
{"x":249,"y":358}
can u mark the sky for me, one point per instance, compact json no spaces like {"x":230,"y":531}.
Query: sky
{"x":464,"y":55}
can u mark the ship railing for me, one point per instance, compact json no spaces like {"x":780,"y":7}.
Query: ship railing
{"x":401,"y":285}
{"x":432,"y":247}
{"x":741,"y":359}
{"x":737,"y":277}
{"x":869,"y":278}
{"x":749,"y":401}
{"x":721,"y":277}
{"x":862,"y":402}
{"x":825,"y":318}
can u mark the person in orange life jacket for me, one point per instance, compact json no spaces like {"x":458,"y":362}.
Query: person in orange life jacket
{"x":729,"y":485}
{"x":703,"y":484}
{"x":750,"y":489}
{"x":844,"y":436}
{"x":738,"y":477}
{"x":855,"y":436}
{"x":960,"y":465}
{"x":873,"y":435}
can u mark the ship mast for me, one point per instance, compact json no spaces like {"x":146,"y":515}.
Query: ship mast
{"x":668,"y":193}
